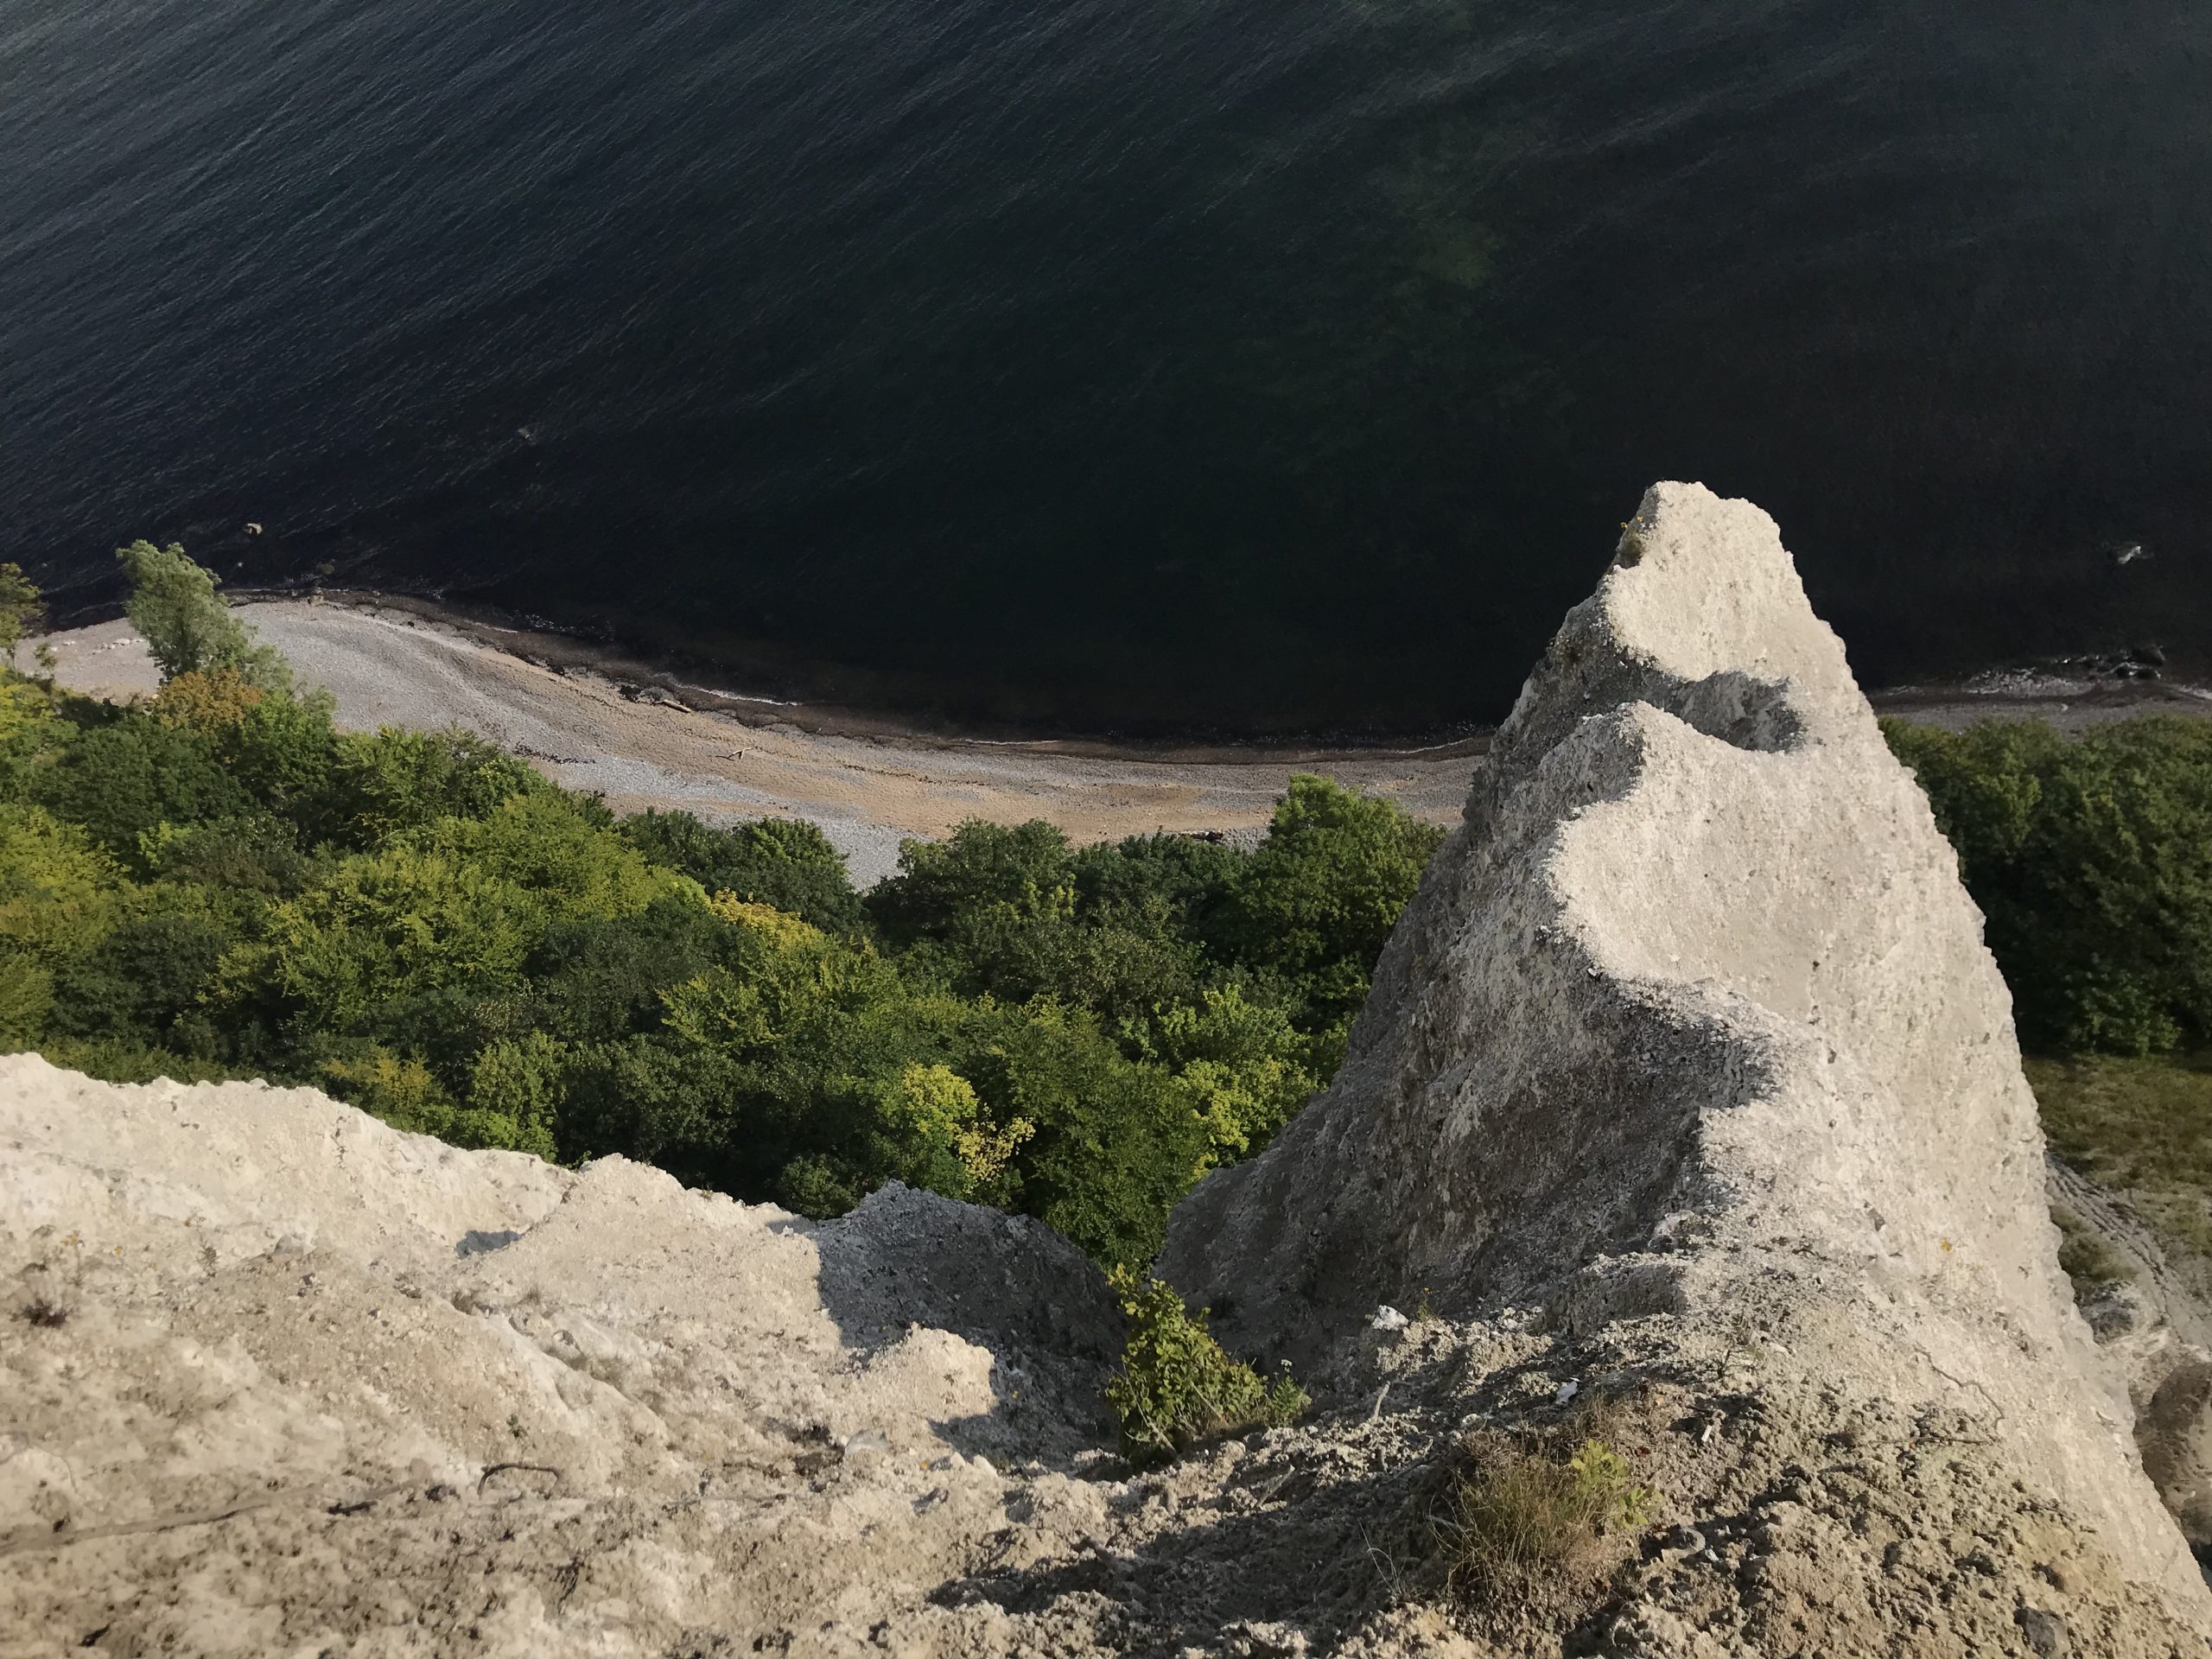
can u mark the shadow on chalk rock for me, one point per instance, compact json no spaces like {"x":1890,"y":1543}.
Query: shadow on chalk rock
{"x":1009,"y":1285}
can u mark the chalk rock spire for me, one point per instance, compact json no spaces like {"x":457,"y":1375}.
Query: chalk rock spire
{"x":1692,"y":1022}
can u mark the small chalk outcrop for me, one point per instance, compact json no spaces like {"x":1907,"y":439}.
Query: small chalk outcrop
{"x":1691,"y":1032}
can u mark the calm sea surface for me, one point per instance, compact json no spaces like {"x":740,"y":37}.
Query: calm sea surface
{"x":1125,"y":363}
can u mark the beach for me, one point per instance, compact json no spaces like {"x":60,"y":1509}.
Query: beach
{"x":642,"y":744}
{"x":591,"y":721}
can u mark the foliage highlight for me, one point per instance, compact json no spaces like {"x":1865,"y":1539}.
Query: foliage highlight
{"x":1177,"y":1386}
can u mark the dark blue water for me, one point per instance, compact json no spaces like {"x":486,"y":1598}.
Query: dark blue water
{"x":1119,"y":362}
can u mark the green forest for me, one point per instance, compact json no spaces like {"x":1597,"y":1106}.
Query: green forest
{"x":216,"y":881}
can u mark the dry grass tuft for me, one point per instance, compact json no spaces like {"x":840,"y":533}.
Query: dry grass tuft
{"x":1539,"y":1518}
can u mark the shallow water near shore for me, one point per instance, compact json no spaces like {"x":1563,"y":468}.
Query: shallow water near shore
{"x":1131,"y":366}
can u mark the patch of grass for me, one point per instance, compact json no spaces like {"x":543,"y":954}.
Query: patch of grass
{"x":1178,"y":1386}
{"x":1535,"y":1517}
{"x":2129,"y":1122}
{"x":2141,"y":1124}
{"x":2086,"y":1258}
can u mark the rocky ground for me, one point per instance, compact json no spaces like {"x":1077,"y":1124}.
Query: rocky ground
{"x":276,"y":1379}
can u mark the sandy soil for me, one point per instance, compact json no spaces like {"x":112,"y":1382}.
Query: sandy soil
{"x":389,"y":667}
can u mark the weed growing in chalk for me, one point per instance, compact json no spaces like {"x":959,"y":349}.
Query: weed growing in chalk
{"x":1176,"y":1385}
{"x":1527,"y":1517}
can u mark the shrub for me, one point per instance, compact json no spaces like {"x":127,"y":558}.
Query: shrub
{"x":125,"y":778}
{"x":400,"y":1091}
{"x":838,"y":1076}
{"x":983,"y":876}
{"x":31,"y":733}
{"x":208,"y":700}
{"x":21,"y":606}
{"x":58,"y":893}
{"x":987,"y":911}
{"x":1317,"y":900}
{"x":600,"y":979}
{"x":119,"y":1060}
{"x":1184,"y":875}
{"x":517,"y":1083}
{"x":383,"y":928}
{"x":540,"y":843}
{"x":286,"y":751}
{"x":1239,"y":1067}
{"x":236,"y":858}
{"x":929,"y":1129}
{"x":26,"y":999}
{"x":380,"y":785}
{"x":1177,"y":1386}
{"x":404,"y":1092}
{"x":135,"y":983}
{"x":785,"y":863}
{"x":1114,"y":1146}
{"x":1121,"y":967}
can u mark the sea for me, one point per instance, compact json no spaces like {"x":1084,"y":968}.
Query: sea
{"x":1118,"y":365}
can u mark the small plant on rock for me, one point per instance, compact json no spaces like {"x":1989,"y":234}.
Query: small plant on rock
{"x":1176,"y":1385}
{"x":1522,"y":1522}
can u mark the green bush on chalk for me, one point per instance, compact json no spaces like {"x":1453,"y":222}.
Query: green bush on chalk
{"x":1177,"y":1386}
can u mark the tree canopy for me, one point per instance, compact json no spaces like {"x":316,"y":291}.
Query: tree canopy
{"x":216,"y":881}
{"x":187,"y":625}
{"x":2092,"y":858}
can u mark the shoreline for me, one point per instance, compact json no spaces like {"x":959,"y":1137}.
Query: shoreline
{"x":568,"y":652}
{"x":581,"y":722}
{"x":602,"y":721}
{"x":2069,"y":702}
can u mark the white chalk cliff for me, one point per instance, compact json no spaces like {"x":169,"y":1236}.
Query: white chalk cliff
{"x":1687,"y":1086}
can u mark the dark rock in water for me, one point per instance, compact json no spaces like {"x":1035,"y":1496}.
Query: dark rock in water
{"x":2149,"y":654}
